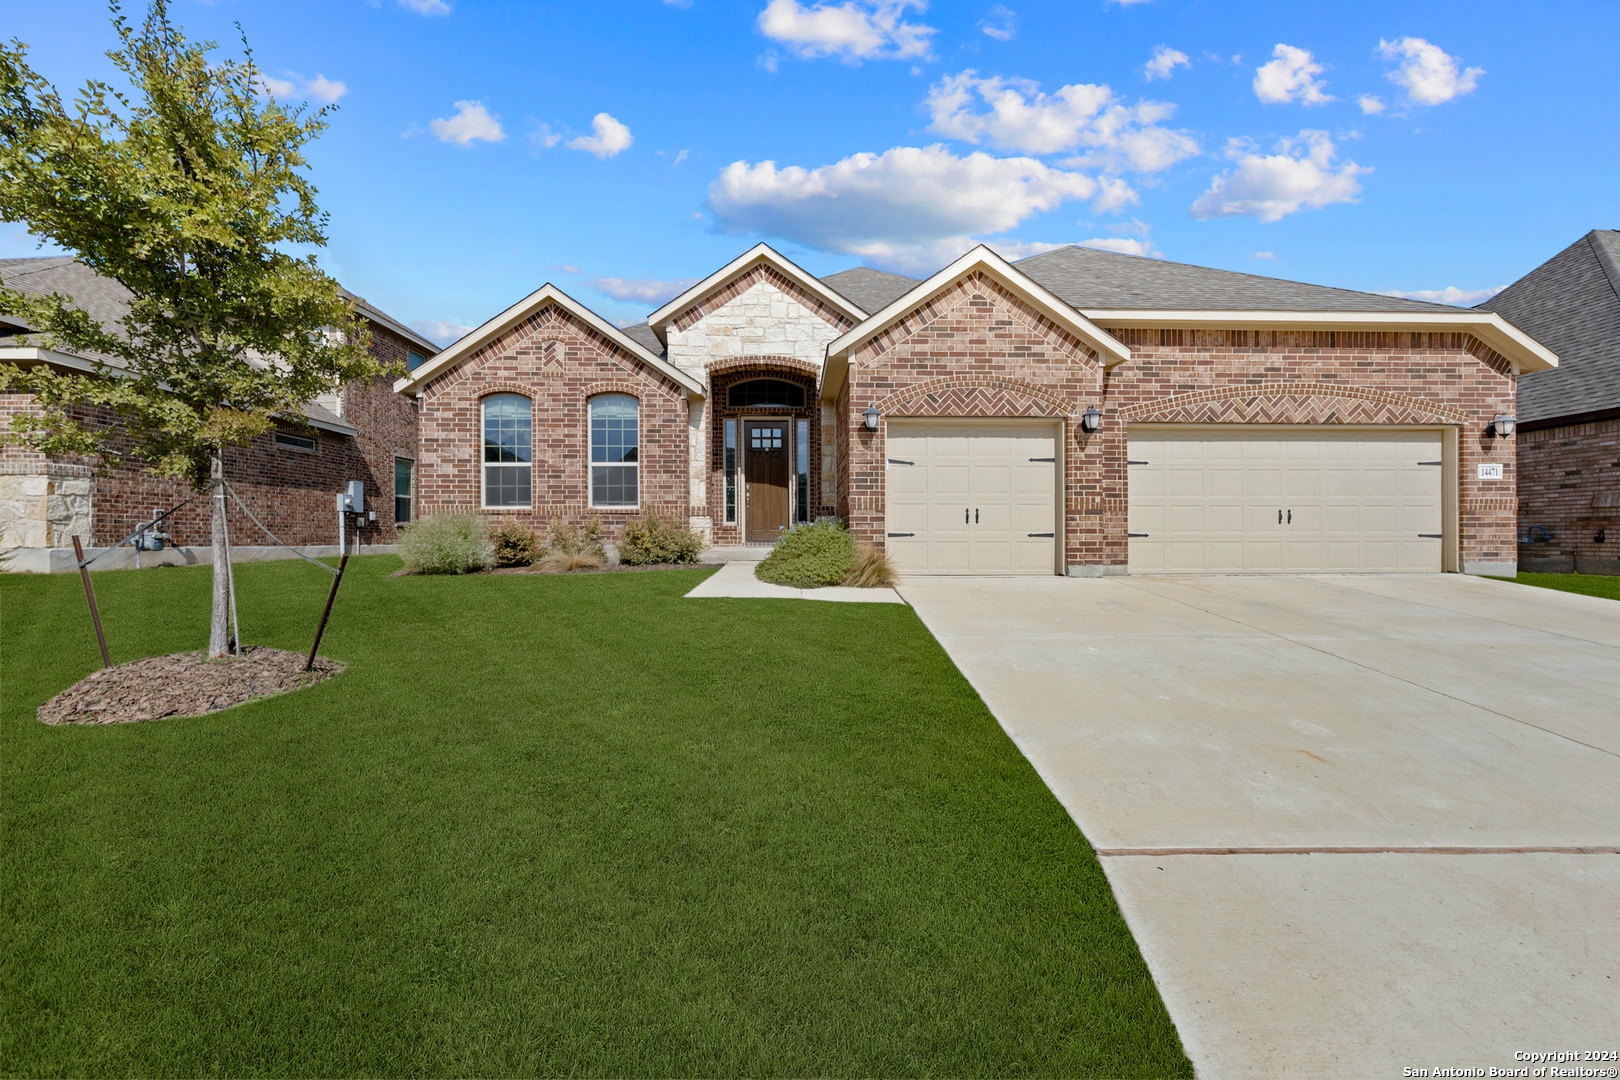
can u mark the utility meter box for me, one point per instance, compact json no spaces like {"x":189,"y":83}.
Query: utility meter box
{"x":353,"y":501}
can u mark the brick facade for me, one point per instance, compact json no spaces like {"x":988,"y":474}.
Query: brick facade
{"x":978,"y":350}
{"x":1569,"y":487}
{"x":723,"y":375}
{"x":559,"y":363}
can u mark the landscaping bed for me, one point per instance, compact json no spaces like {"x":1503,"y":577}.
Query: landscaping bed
{"x":182,"y":684}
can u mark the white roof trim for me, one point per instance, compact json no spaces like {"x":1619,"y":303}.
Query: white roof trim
{"x":744,"y":262}
{"x":983,"y":259}
{"x":1524,"y":352}
{"x":500,"y":324}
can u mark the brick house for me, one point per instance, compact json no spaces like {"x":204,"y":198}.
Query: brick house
{"x":1569,"y":418}
{"x":290,"y":478}
{"x":1078,"y":412}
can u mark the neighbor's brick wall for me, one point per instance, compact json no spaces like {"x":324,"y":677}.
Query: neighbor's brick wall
{"x":1569,"y":483}
{"x":559,"y":363}
{"x":980,"y":351}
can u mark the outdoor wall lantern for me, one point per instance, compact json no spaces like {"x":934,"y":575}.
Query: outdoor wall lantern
{"x":1090,"y":420}
{"x":1502,"y":427}
{"x":871,"y":417}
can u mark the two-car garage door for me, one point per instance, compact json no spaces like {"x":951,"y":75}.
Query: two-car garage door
{"x":1250,"y":501}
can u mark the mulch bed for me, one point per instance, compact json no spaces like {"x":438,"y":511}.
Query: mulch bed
{"x":611,"y":568}
{"x":182,"y":684}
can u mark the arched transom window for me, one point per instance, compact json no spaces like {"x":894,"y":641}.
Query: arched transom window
{"x":615,"y":450}
{"x":765,"y":394}
{"x":508,"y":450}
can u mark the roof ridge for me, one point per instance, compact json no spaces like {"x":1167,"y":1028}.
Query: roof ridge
{"x":1606,"y":260}
{"x":1236,"y":273}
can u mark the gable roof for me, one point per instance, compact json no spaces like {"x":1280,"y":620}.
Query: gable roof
{"x":512,"y":316}
{"x":742,"y":264}
{"x":1571,"y":302}
{"x":871,"y":289}
{"x":980,"y":260}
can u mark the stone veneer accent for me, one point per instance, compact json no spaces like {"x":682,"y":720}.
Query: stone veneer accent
{"x":760,"y":313}
{"x":1569,"y":484}
{"x":978,"y":350}
{"x":559,"y":363}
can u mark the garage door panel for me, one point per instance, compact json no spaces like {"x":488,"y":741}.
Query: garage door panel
{"x":1348,"y":501}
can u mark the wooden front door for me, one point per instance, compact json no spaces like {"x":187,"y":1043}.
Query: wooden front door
{"x":765,"y":469}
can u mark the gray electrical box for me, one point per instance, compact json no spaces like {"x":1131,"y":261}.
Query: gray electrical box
{"x":353,"y":501}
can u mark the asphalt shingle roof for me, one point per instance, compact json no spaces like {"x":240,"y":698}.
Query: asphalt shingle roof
{"x":868,"y":289}
{"x":1571,"y":304}
{"x":642,"y":334}
{"x":1090,"y":280}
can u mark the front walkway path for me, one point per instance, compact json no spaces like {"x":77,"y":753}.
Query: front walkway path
{"x":1357,"y":824}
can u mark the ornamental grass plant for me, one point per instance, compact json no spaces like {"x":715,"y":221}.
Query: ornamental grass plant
{"x":446,"y":544}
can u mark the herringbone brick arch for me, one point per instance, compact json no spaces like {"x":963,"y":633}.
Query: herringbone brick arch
{"x":982,"y":397}
{"x":1294,"y":404}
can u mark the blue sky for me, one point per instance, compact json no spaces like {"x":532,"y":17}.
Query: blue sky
{"x":622,"y":148}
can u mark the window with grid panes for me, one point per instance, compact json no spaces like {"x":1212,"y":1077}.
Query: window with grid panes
{"x":508,"y":449}
{"x":615,"y":445}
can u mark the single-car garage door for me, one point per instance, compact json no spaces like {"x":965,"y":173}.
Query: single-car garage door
{"x":972,"y":496}
{"x":1254,"y":501}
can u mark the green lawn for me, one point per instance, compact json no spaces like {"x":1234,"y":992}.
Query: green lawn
{"x":544,"y":826}
{"x":1586,"y":584}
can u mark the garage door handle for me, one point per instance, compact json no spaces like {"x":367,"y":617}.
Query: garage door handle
{"x":902,"y":534}
{"x":1279,"y":517}
{"x":897,"y":461}
{"x":1431,"y":536}
{"x":1043,"y":534}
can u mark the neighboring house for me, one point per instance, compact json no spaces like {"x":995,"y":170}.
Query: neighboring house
{"x":290,"y":479}
{"x":1078,"y":412}
{"x":1569,"y":419}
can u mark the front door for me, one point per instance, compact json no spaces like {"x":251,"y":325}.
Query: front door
{"x":765,"y":469}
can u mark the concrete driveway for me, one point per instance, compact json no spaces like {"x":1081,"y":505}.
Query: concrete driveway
{"x":1357,"y":824}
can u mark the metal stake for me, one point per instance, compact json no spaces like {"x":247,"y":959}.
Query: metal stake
{"x":90,"y":595}
{"x":336,"y":581}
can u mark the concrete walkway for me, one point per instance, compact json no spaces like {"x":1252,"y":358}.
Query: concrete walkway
{"x":737,"y":579}
{"x":1357,"y":824}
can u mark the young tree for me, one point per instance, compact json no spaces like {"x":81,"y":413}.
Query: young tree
{"x":189,"y":189}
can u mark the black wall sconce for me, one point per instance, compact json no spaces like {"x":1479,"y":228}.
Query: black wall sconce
{"x":1090,"y":420}
{"x":1502,"y":427}
{"x":871,"y":417}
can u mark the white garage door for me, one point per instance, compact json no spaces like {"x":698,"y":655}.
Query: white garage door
{"x":1265,"y":501}
{"x":972,"y":497}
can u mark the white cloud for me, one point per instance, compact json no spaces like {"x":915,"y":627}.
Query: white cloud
{"x":1268,"y":256}
{"x":320,"y":88}
{"x":910,"y":206}
{"x":1301,"y":175}
{"x":1163,"y":63}
{"x":1122,"y":245}
{"x":1427,"y":74}
{"x":426,"y":7}
{"x":543,"y":138}
{"x":647,"y":290}
{"x":1290,"y":76}
{"x":611,"y":137}
{"x":472,"y":121}
{"x":680,"y":157}
{"x":1000,"y":24}
{"x":1371,"y":104}
{"x":1448,"y":295}
{"x":1081,"y":116}
{"x":440,"y":331}
{"x":1128,"y":3}
{"x":854,"y":30}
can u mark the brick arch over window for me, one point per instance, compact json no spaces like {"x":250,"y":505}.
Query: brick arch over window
{"x":1294,"y":403}
{"x":975,"y":395}
{"x":614,"y":387}
{"x":520,"y":389}
{"x":764,"y":363}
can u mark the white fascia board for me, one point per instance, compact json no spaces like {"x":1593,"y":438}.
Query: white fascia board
{"x":500,"y":324}
{"x":1524,"y":352}
{"x":17,"y":354}
{"x":659,"y":319}
{"x":980,"y":259}
{"x":328,"y":425}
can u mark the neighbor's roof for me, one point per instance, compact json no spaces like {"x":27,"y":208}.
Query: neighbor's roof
{"x":1092,"y":280}
{"x":1571,"y":303}
{"x":870,"y":289}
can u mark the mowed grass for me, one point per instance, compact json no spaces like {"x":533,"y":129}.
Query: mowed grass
{"x":544,"y":826}
{"x":1586,"y":584}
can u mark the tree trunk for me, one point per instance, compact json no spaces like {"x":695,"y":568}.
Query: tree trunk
{"x":219,"y":632}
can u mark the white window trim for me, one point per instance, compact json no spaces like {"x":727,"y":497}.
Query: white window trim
{"x":411,"y":496}
{"x":484,"y":467}
{"x":591,"y":466}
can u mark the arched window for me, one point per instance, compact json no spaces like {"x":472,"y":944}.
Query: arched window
{"x":765,"y":394}
{"x":508,"y":449}
{"x":615,"y":446}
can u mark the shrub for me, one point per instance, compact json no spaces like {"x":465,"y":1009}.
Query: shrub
{"x":514,"y":544}
{"x":657,"y":539}
{"x":562,"y":562}
{"x":445,"y":544}
{"x":810,"y":556}
{"x":570,"y":539}
{"x":872,"y":569}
